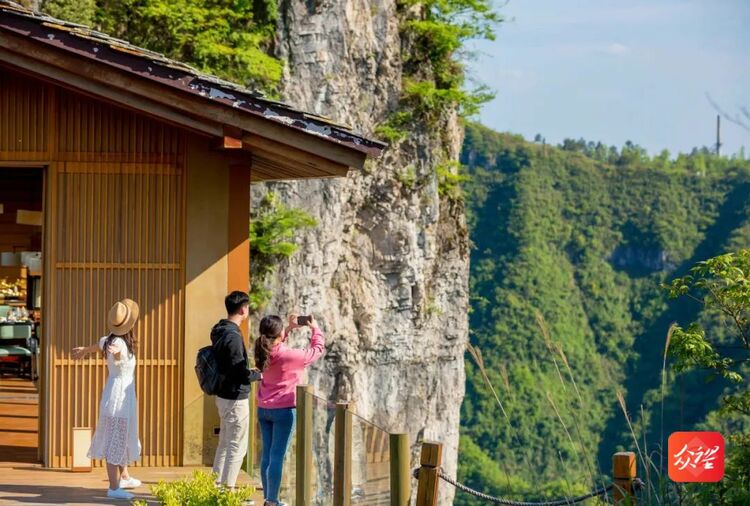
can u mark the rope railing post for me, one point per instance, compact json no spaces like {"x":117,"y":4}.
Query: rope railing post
{"x":342,"y":460}
{"x":400,"y":469}
{"x":304,"y":445}
{"x":624,"y":474}
{"x":252,"y":446}
{"x":428,"y":480}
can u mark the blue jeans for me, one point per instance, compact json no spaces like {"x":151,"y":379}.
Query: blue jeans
{"x":276,"y":427}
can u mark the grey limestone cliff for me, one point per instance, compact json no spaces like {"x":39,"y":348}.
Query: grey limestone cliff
{"x":386,"y":269}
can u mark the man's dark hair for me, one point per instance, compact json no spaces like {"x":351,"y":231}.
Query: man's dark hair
{"x":234,"y":302}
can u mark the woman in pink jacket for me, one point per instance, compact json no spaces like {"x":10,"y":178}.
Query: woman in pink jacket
{"x":282,"y":368}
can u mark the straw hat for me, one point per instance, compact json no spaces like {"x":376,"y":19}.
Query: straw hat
{"x":122,"y":317}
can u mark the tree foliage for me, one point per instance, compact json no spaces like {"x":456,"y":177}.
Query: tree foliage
{"x":569,"y":251}
{"x":435,"y":33}
{"x":229,"y":38}
{"x":722,"y":286}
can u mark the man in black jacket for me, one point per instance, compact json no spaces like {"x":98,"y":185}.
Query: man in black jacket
{"x":232,"y":398}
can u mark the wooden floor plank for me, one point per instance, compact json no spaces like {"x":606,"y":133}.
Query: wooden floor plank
{"x":36,"y":485}
{"x":19,"y":423}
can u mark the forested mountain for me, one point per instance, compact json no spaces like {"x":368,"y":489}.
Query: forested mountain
{"x":570,"y":246}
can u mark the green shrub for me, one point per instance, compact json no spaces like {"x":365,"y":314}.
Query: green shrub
{"x":434,"y":76}
{"x":407,"y":177}
{"x":198,"y":490}
{"x":272,"y":228}
{"x":450,"y":177}
{"x":394,"y":128}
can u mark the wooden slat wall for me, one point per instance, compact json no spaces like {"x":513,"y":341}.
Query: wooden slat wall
{"x":115,"y":197}
{"x":23,"y":109}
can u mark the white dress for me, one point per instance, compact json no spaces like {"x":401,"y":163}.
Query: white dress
{"x":116,"y":435}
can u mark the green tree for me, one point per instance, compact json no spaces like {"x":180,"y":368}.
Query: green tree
{"x":232,"y":39}
{"x":585,"y":238}
{"x":77,"y":11}
{"x":722,"y":286}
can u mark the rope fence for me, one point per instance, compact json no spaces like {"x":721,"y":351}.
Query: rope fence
{"x":395,"y":473}
{"x":430,"y":473}
{"x":601,"y":491}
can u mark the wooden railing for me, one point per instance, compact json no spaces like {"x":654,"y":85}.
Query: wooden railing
{"x":378,"y":446}
{"x":429,"y":475}
{"x":395,"y":450}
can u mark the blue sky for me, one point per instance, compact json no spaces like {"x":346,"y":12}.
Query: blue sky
{"x":619,"y":70}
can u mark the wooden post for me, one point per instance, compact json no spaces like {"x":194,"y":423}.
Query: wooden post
{"x":342,"y":461}
{"x":400,"y":469}
{"x":623,"y":472}
{"x":432,"y":457}
{"x":304,"y":445}
{"x":252,"y":439}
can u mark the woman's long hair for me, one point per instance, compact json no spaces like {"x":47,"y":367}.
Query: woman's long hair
{"x":129,"y":339}
{"x":271,"y":327}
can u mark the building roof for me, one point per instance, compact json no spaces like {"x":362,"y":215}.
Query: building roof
{"x":98,"y":47}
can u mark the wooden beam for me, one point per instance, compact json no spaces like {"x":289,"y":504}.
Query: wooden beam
{"x":232,"y":138}
{"x":72,"y":81}
{"x":296,"y":168}
{"x":299,"y":157}
{"x":180,"y":100}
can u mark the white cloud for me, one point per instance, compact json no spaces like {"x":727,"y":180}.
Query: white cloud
{"x":617,"y":49}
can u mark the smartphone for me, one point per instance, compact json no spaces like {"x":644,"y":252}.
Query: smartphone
{"x":303,"y":320}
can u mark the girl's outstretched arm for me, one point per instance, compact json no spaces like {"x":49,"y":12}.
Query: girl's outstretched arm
{"x":81,"y":351}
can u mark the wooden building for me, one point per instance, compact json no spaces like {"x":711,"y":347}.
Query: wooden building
{"x":145,"y":165}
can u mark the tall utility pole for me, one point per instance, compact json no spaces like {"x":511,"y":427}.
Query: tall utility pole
{"x":718,"y":135}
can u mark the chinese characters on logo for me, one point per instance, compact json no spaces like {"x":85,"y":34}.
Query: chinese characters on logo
{"x":696,"y":456}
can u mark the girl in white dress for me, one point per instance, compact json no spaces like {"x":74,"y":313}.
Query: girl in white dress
{"x":116,"y":435}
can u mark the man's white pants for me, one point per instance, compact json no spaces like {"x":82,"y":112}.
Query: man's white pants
{"x":235,"y":419}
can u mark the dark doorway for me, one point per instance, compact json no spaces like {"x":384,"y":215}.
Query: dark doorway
{"x":21,"y":205}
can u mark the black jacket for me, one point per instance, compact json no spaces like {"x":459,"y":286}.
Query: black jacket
{"x":231,"y":357}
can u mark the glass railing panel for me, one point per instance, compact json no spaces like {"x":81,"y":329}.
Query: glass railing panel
{"x":371,"y":461}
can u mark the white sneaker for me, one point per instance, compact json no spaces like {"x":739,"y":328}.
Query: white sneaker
{"x":119,"y":494}
{"x":130,"y":483}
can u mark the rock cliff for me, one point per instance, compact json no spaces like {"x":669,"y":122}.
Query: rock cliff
{"x":386,"y":269}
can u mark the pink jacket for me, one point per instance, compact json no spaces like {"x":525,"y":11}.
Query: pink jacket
{"x":278,"y":388}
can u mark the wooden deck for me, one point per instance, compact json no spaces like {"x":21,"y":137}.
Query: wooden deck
{"x":31,"y":484}
{"x":19,"y":412}
{"x":24,"y":481}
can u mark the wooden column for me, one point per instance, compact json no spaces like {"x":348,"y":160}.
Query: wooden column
{"x":624,"y":473}
{"x":238,"y":233}
{"x":431,"y":459}
{"x":304,"y":445}
{"x":400,"y":469}
{"x":342,"y":463}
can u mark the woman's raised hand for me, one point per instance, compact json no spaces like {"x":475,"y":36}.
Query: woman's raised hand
{"x":79,"y":352}
{"x":311,"y":322}
{"x":293,"y":321}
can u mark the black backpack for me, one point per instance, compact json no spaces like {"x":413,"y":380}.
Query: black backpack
{"x":207,"y":370}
